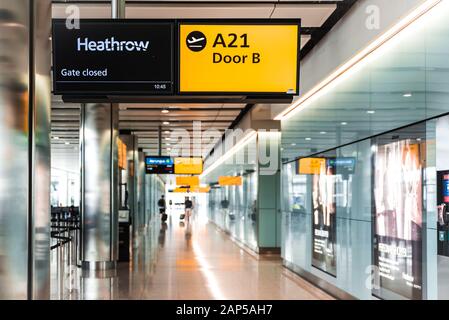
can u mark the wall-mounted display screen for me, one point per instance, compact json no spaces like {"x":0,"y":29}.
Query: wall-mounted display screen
{"x":324,"y":219}
{"x":343,"y":165}
{"x":160,"y":165}
{"x":397,"y":217}
{"x":107,"y":56}
{"x":310,"y":165}
{"x":228,"y":56}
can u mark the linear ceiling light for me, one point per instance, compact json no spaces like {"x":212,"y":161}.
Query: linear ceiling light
{"x":229,"y":154}
{"x":300,"y":104}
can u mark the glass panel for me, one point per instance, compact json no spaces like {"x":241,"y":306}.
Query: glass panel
{"x":403,"y":82}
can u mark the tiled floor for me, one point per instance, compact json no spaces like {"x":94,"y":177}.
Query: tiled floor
{"x":194,"y":261}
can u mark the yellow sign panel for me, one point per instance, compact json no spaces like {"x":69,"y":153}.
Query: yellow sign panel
{"x":188,"y":165}
{"x":181,"y":190}
{"x":200,"y":189}
{"x":121,"y":148}
{"x":196,"y":189}
{"x":229,"y":181}
{"x":311,"y":165}
{"x":239,"y":58}
{"x":188,"y":181}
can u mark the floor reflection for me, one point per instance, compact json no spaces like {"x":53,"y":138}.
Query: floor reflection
{"x":183,"y":260}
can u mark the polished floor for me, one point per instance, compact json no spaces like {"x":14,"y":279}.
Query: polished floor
{"x":183,"y":261}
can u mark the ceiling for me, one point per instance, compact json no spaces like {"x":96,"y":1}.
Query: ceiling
{"x":144,"y":119}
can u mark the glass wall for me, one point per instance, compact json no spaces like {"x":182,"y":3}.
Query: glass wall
{"x":365,"y":175}
{"x":65,"y":188}
{"x":388,"y":196}
{"x":403,"y":82}
{"x":233,"y":208}
{"x":154,"y":188}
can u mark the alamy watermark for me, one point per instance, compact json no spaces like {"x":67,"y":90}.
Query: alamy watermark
{"x":262,"y":148}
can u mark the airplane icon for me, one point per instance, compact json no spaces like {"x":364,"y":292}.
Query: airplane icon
{"x":195,"y":40}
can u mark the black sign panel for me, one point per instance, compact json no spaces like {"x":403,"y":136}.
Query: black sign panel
{"x":159,"y":165}
{"x":113,"y":57}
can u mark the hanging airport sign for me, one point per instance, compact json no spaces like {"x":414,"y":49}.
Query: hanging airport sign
{"x":111,"y":57}
{"x":230,"y":181}
{"x":187,"y":181}
{"x":232,"y":57}
{"x":159,"y":165}
{"x":188,"y":165}
{"x":196,"y":189}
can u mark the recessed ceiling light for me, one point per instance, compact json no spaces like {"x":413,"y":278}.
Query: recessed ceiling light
{"x":164,"y":111}
{"x":167,"y":132}
{"x":323,"y":132}
{"x":168,"y":149}
{"x":56,"y":138}
{"x":344,"y":123}
{"x":282,"y":149}
{"x":293,"y":144}
{"x":66,"y":142}
{"x":418,"y":139}
{"x":407,"y":95}
{"x":165,"y":123}
{"x":371,"y":112}
{"x":168,"y":138}
{"x":168,"y":144}
{"x":308,"y":139}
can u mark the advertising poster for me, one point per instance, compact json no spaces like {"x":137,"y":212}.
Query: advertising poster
{"x":443,"y":214}
{"x":324,"y":219}
{"x":398,"y":208}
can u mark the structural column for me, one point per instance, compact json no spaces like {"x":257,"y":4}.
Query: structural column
{"x":25,"y":98}
{"x":99,"y":185}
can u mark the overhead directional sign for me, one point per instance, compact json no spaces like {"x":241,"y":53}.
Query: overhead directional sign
{"x":253,"y":57}
{"x":113,"y":57}
{"x":189,"y":165}
{"x":230,"y":181}
{"x":187,"y":181}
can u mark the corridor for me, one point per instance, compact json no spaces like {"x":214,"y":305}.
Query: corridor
{"x":179,"y":261}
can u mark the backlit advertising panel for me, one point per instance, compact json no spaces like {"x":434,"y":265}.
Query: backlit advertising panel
{"x":397,"y":217}
{"x":324,"y":219}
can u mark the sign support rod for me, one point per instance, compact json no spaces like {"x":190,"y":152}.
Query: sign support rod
{"x":160,"y":140}
{"x":118,"y":9}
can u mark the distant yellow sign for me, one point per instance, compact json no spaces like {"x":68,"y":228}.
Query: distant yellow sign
{"x":181,"y":190}
{"x":229,"y":181}
{"x":311,"y":165}
{"x":188,"y":165}
{"x":121,"y":148}
{"x":188,"y":181}
{"x":196,"y":189}
{"x":239,"y":58}
{"x":200,"y":189}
